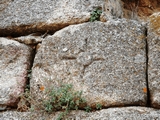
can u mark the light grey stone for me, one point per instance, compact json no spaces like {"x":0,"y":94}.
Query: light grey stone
{"x":4,"y":4}
{"x":107,"y":61}
{"x":14,"y":115}
{"x":154,"y":59}
{"x":15,"y":60}
{"x":125,"y":113}
{"x":21,"y":17}
{"x":31,"y":39}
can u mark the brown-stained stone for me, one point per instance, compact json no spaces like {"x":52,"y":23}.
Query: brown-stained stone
{"x":140,"y":8}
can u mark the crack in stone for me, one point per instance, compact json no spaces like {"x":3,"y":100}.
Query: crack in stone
{"x":85,"y":66}
{"x":86,"y":43}
{"x":148,"y":92}
{"x":66,"y":57}
{"x":31,"y":65}
{"x":98,"y":59}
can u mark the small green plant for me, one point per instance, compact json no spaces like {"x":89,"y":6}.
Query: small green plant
{"x":98,"y":106}
{"x":95,"y":15}
{"x":88,"y":109}
{"x":27,"y":102}
{"x":25,"y":99}
{"x":29,"y":74}
{"x":63,"y":98}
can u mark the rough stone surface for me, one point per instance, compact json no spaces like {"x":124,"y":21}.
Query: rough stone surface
{"x":154,"y":59}
{"x":113,"y":8}
{"x":31,"y":39}
{"x":15,"y":60}
{"x":24,"y":17}
{"x":107,"y":61}
{"x":114,"y":63}
{"x":126,"y":113}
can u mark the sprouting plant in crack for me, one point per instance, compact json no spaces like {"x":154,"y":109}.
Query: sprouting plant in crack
{"x":29,"y":74}
{"x":88,"y":109}
{"x":25,"y":100}
{"x":63,"y":98}
{"x":98,"y":106}
{"x":25,"y":97}
{"x":95,"y":15}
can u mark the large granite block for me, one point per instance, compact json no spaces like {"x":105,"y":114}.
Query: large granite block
{"x":153,"y":39}
{"x":107,"y":61}
{"x":15,"y":60}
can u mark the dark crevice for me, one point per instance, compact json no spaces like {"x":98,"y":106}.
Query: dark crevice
{"x":30,"y":69}
{"x":65,"y":57}
{"x":41,"y":34}
{"x":24,"y":99}
{"x":98,"y":59}
{"x":86,"y":43}
{"x":45,"y":34}
{"x":17,"y":31}
{"x":148,"y":92}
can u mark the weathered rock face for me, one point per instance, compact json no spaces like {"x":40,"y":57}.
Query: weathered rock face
{"x":113,"y":8}
{"x":107,"y":61}
{"x":154,"y":59}
{"x":114,"y":62}
{"x":129,"y":113}
{"x":24,"y":17}
{"x":15,"y":60}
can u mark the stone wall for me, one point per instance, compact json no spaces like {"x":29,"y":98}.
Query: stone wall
{"x":115,"y":61}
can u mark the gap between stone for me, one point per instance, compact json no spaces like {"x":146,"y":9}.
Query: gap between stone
{"x":148,"y":92}
{"x":31,"y":65}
